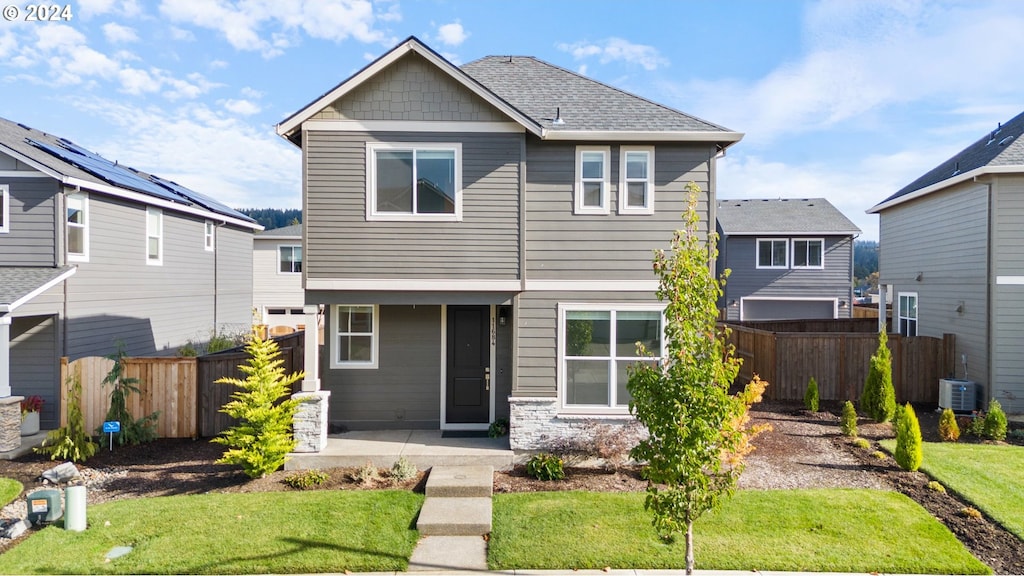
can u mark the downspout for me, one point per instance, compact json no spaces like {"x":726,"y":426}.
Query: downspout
{"x":216,"y":271}
{"x":990,"y":292}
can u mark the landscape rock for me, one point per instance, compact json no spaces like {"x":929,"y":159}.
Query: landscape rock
{"x":61,"y":473}
{"x":11,"y":529}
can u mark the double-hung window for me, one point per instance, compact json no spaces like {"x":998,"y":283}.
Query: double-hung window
{"x":5,"y":209}
{"x":597,"y":344}
{"x":154,"y":236}
{"x":77,"y":226}
{"x":208,"y":229}
{"x":908,"y":313}
{"x":289,"y":259}
{"x":773,"y":253}
{"x":414,"y":181}
{"x":636,"y":180}
{"x":808,"y":253}
{"x":356,"y":331}
{"x":592,"y":175}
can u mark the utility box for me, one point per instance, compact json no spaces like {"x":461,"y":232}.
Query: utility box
{"x":44,"y":506}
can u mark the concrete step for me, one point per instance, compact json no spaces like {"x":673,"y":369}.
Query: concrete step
{"x":460,"y":482}
{"x":455,"y":517}
{"x":461,"y":553}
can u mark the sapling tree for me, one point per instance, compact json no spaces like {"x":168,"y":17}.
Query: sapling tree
{"x":878,"y":399}
{"x":698,"y":432}
{"x":122,"y":387}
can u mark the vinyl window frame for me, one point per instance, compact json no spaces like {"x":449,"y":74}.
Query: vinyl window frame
{"x":281,"y":261}
{"x":336,"y":333}
{"x":82,"y":256}
{"x":157,"y":234}
{"x":624,"y":181}
{"x":771,"y":265}
{"x":209,"y":234}
{"x":371,"y":182}
{"x":5,"y":208}
{"x":903,"y":314}
{"x":821,"y":254}
{"x":605,"y":180}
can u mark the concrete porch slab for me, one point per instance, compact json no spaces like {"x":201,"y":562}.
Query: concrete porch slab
{"x":455,"y":517}
{"x":423,"y":448}
{"x":460,"y":482}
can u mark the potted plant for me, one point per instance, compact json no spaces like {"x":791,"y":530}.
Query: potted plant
{"x":30,"y":409}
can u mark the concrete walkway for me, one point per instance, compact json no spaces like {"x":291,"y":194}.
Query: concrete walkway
{"x":455,"y":518}
{"x":423,"y":448}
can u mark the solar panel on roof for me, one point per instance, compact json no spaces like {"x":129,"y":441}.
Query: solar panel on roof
{"x":200,"y":199}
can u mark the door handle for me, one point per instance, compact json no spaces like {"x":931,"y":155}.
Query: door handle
{"x":487,"y":379}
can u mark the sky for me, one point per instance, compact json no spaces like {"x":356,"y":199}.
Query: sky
{"x":849,"y":100}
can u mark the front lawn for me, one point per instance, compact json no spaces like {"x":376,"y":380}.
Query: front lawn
{"x":784,"y":530}
{"x":9,"y":490}
{"x":270,"y":532}
{"x":987,"y":475}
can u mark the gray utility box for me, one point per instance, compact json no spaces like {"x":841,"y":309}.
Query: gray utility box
{"x":44,"y":506}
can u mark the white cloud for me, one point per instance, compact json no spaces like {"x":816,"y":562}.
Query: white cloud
{"x":182,"y":35}
{"x":241,"y":107}
{"x":117,"y":34}
{"x":134,"y":81}
{"x":617,"y":50}
{"x":124,"y":8}
{"x":250,"y":92}
{"x":452,"y":34}
{"x":218,"y":64}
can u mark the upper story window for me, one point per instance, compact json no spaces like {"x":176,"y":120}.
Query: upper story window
{"x":808,"y":253}
{"x":77,"y":226}
{"x":154,"y":236}
{"x":414,"y":181}
{"x":289,"y":259}
{"x":5,"y":210}
{"x":355,"y":332}
{"x":636,"y":180}
{"x":773,"y":253}
{"x":208,"y":229}
{"x":908,"y":313}
{"x":592,"y":175}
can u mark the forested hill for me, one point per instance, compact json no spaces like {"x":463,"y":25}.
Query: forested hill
{"x":271,"y":218}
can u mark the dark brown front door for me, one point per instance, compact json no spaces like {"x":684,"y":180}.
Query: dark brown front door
{"x":468,"y":396}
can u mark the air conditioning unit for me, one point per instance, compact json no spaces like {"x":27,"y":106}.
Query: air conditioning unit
{"x":957,"y":394}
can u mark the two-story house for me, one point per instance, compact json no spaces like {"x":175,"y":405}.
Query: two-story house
{"x":790,"y":258}
{"x":481,"y":238}
{"x":951,"y":255}
{"x":277,"y":295}
{"x":93,"y":253}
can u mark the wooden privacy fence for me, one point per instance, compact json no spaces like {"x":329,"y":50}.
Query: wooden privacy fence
{"x":839,"y":361}
{"x":167,"y":385}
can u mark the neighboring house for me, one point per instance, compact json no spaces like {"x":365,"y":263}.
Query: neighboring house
{"x":277,"y":294}
{"x":951,"y":253}
{"x":790,"y":259}
{"x":93,"y":253}
{"x":481,"y":239}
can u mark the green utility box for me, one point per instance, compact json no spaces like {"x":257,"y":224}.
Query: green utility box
{"x":44,"y":506}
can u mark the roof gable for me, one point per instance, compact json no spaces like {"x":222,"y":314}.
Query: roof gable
{"x":783,"y":216}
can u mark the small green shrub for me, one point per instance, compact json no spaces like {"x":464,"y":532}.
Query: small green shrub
{"x":972,"y":425}
{"x":908,"y":452}
{"x":811,"y":395}
{"x":994,"y":424}
{"x":70,"y":442}
{"x":220,"y":342}
{"x":546,"y":467}
{"x":133,"y":431}
{"x":306,"y":479}
{"x":848,"y":422}
{"x":949,"y":431}
{"x":970,"y":512}
{"x":189,"y":350}
{"x":366,"y":474}
{"x":936,"y":487}
{"x":878,"y":399}
{"x":1017,"y":435}
{"x":862,"y":443}
{"x":403,"y":470}
{"x":498,"y":428}
{"x":878,"y":454}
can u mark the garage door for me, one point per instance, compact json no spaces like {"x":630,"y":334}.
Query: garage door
{"x":787,"y":309}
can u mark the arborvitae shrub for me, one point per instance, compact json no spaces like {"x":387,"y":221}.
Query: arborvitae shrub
{"x":949,"y":430}
{"x":878,"y":398}
{"x":848,"y":422}
{"x":908,"y":440}
{"x":994,"y":427}
{"x":811,"y":395}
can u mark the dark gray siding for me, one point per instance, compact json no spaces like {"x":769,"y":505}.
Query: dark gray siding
{"x":1008,"y":299}
{"x":35,"y":366}
{"x":340,"y":243}
{"x":32,"y":234}
{"x":943,"y":237}
{"x":234,"y":279}
{"x":563,"y":245}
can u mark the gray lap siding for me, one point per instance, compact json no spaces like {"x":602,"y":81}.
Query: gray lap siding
{"x":32,"y":235}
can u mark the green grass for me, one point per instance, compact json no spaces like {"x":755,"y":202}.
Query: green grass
{"x":790,"y":530}
{"x":987,"y":475}
{"x":9,"y":490}
{"x":272,"y":532}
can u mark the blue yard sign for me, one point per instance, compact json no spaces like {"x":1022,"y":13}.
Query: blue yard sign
{"x":111,"y":427}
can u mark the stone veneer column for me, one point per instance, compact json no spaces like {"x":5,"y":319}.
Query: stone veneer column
{"x":10,"y":423}
{"x":309,"y":425}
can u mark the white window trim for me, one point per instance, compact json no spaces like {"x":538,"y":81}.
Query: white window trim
{"x":374,"y":340}
{"x":158,"y":234}
{"x":84,"y":256}
{"x":757,"y":253}
{"x":900,"y":316}
{"x":371,"y":182}
{"x":624,"y":207}
{"x":563,"y":406}
{"x":209,"y":231}
{"x":603,"y":209}
{"x":293,"y":246}
{"x":5,"y":209}
{"x":792,"y":251}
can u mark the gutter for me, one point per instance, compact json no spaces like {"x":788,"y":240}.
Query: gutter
{"x":958,"y":179}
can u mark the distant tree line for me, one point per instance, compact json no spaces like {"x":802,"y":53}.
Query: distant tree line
{"x":865,"y":259}
{"x":271,"y":218}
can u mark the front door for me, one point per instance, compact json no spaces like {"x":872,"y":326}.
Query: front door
{"x":468,"y":386}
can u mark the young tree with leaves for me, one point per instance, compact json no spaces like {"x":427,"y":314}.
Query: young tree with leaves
{"x":878,"y":399}
{"x":698,"y":433}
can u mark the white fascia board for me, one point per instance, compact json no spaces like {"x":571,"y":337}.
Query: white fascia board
{"x":958,"y":179}
{"x":642,"y":136}
{"x":798,"y":234}
{"x":414,"y":285}
{"x":591,"y":285}
{"x":1010,"y":280}
{"x":23,"y":174}
{"x":156,"y":202}
{"x":410,"y":126}
{"x":412,"y":45}
{"x":43,"y":288}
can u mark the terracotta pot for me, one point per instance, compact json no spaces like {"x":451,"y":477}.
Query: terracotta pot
{"x":30,"y":424}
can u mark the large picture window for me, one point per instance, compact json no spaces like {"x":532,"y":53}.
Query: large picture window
{"x":414,"y":181}
{"x":908,"y":313}
{"x":355,"y":331}
{"x":596,"y":346}
{"x":808,"y":253}
{"x":77,"y":227}
{"x":773,"y":253}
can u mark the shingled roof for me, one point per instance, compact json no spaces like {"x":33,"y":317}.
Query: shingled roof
{"x":1000,"y":150}
{"x":18,"y":284}
{"x":750,"y":217}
